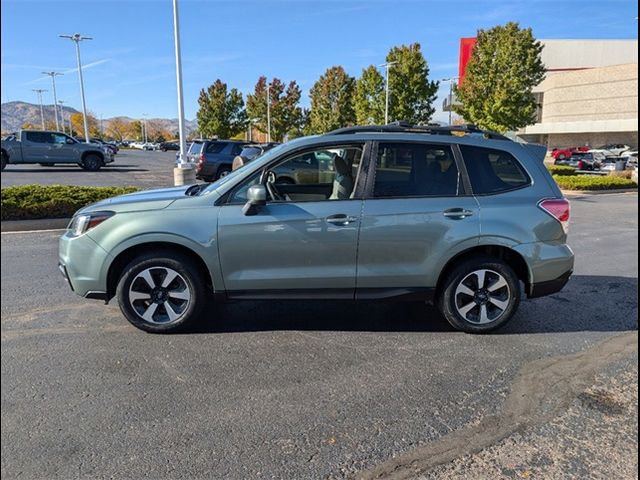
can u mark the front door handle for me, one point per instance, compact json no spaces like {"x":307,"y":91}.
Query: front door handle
{"x":457,"y":213}
{"x":341,"y":219}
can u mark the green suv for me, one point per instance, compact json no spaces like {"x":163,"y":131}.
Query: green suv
{"x":465,"y":219}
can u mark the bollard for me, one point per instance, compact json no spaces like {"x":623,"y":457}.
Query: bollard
{"x":184,"y":174}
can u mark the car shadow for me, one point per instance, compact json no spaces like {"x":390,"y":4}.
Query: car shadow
{"x":587,"y":303}
{"x":56,"y":169}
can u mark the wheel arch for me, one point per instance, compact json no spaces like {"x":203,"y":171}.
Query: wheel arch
{"x":123,"y":258}
{"x":92,"y":152}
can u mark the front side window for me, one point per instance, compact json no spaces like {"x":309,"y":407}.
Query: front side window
{"x":415,"y":170}
{"x":59,"y":138}
{"x":493,"y":171}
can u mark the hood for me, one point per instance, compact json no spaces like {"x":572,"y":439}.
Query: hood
{"x":138,"y":201}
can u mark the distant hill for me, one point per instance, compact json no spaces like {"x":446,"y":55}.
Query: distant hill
{"x":15,"y":114}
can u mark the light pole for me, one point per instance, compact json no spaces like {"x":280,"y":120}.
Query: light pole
{"x":61,"y":103}
{"x":55,"y":98}
{"x":450,"y":80}
{"x":268,"y":113}
{"x":386,"y":89}
{"x":39,"y":92}
{"x":77,"y":38}
{"x":144,"y":127}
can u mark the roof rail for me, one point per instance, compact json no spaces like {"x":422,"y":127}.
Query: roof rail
{"x":406,"y":127}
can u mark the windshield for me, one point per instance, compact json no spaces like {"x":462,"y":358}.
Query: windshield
{"x":267,"y":156}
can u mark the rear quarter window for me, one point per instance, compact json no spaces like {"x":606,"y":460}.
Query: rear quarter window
{"x":493,"y":171}
{"x":215,"y":147}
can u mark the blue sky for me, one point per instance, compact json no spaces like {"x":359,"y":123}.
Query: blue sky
{"x":130,"y":66}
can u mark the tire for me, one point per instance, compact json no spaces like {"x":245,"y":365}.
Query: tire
{"x":223,"y":172}
{"x":48,"y":164}
{"x":184,"y":305}
{"x":91,"y":162}
{"x":5,"y":160}
{"x":486,"y":310}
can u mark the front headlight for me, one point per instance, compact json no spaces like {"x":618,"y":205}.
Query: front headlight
{"x":86,"y":221}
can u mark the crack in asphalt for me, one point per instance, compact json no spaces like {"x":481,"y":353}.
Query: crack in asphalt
{"x":541,"y":391}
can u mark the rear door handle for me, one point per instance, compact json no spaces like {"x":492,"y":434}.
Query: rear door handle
{"x":341,"y":219}
{"x":457,"y":213}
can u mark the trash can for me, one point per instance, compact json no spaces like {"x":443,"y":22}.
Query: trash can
{"x":621,"y":165}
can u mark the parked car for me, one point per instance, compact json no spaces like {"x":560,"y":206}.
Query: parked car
{"x":582,"y":161}
{"x":437,"y":214}
{"x":109,"y":146}
{"x":165,"y":146}
{"x":49,"y":147}
{"x":250,"y":153}
{"x":610,"y":164}
{"x":214,"y":158}
{"x":562,"y":153}
{"x":615,"y":148}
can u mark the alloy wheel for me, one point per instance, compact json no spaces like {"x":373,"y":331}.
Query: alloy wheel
{"x":159,"y":295}
{"x":482,"y":296}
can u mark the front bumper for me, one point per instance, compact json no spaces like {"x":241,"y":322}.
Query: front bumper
{"x":81,"y":260}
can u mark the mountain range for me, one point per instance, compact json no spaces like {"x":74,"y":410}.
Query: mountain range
{"x":15,"y":114}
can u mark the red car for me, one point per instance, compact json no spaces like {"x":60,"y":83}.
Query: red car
{"x":562,"y":153}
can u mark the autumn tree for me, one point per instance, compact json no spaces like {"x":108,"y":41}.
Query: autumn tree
{"x":222,"y":113}
{"x":505,"y":65}
{"x":369,"y":97}
{"x":411,"y":93}
{"x":118,"y":128}
{"x":332,"y":101}
{"x":285,"y":112}
{"x":77,"y":124}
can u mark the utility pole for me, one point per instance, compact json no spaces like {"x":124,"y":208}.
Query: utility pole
{"x":450,"y":80}
{"x":39,"y":92}
{"x":55,"y":98}
{"x":269,"y":113}
{"x":77,"y":38}
{"x":386,"y":89}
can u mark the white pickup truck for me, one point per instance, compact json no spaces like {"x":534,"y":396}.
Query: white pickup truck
{"x":48,"y":148}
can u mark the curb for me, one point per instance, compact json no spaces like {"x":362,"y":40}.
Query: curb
{"x":31,"y":225}
{"x":574,"y":193}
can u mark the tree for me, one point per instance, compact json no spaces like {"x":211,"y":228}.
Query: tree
{"x":135,"y":130}
{"x":411,"y":94}
{"x":332,"y":101}
{"x":221,"y":112}
{"x":369,"y":98}
{"x":285,"y":112}
{"x":118,"y":128}
{"x":77,"y":124}
{"x":504,"y":67}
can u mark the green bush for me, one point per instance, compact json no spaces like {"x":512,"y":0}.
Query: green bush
{"x":561,"y":170}
{"x":593,"y":182}
{"x":27,"y":202}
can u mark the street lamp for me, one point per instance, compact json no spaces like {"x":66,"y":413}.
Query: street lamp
{"x":386,"y":89}
{"x":144,"y":127}
{"x":450,"y":80}
{"x":77,"y":38}
{"x":53,"y":76}
{"x":39,"y":92}
{"x":64,"y":130}
{"x":268,"y":113}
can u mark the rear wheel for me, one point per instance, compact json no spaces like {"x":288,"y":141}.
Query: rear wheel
{"x":91,"y":162}
{"x":161,"y":292}
{"x":480,"y":295}
{"x":5,"y":160}
{"x":223,"y":171}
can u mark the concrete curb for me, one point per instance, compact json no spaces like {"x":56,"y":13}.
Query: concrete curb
{"x":31,"y":225}
{"x":573,"y":193}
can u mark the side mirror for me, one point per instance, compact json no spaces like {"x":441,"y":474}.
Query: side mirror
{"x":256,"y":196}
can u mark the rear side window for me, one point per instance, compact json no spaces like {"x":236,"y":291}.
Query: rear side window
{"x":236,"y":150}
{"x":39,"y":137}
{"x":493,"y":171}
{"x":215,"y":147}
{"x":415,"y":170}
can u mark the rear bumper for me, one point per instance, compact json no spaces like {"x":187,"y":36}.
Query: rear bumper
{"x":541,"y":289}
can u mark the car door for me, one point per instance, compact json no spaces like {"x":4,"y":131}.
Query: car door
{"x":301,"y":244}
{"x":60,"y":149}
{"x":417,"y":210}
{"x":35,"y":147}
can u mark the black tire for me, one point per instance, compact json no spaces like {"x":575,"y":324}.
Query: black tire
{"x":92,"y":162}
{"x":450,"y":304}
{"x":5,"y":160}
{"x":157,"y":261}
{"x":223,"y":171}
{"x":48,"y":164}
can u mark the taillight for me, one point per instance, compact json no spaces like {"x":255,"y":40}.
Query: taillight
{"x":580,"y":165}
{"x":201,"y":158}
{"x":558,"y":208}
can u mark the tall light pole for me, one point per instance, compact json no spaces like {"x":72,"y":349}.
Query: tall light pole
{"x":77,"y":38}
{"x":61,"y":103}
{"x":39,"y":92}
{"x":268,"y":112}
{"x":53,"y":76}
{"x":144,"y":127}
{"x":450,"y":80}
{"x":386,"y":89}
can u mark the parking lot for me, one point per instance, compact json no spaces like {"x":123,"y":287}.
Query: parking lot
{"x":130,"y":167}
{"x":312,"y":389}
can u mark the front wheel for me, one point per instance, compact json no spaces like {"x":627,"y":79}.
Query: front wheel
{"x":161,"y":292}
{"x":480,"y":295}
{"x":91,"y":162}
{"x":4,"y":160}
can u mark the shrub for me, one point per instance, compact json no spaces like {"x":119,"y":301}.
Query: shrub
{"x":593,"y":182}
{"x":26,"y":202}
{"x":561,"y":170}
{"x":622,"y":174}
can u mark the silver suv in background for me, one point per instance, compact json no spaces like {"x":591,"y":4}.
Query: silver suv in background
{"x":462,"y":218}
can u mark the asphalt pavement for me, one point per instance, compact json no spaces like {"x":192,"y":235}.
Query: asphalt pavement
{"x":145,"y":169}
{"x":312,"y":389}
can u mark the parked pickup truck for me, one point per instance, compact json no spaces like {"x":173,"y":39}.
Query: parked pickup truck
{"x":48,"y":148}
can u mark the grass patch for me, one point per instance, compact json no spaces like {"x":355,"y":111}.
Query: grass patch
{"x":29,"y":202}
{"x":561,"y":170}
{"x":589,"y":182}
